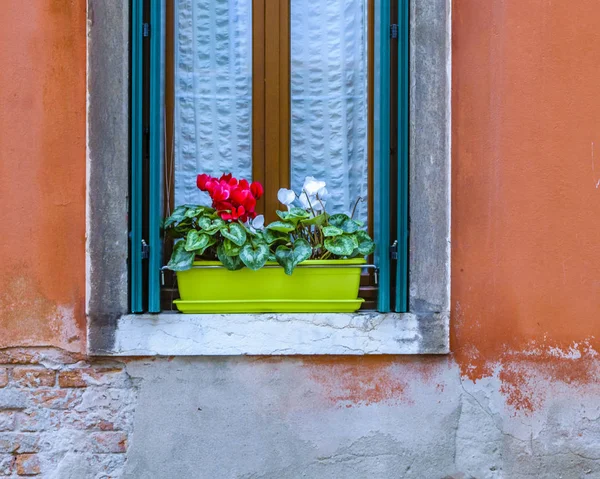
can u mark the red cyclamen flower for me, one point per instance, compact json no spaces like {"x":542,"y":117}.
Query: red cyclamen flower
{"x":234,"y":200}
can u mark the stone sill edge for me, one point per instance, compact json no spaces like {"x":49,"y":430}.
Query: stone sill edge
{"x":271,"y":334}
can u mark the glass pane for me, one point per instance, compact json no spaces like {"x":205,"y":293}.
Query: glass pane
{"x":213,"y":92}
{"x":329,"y":64}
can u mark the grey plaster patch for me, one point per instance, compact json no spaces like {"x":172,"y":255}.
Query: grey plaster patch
{"x":430,"y":155}
{"x":173,"y":334}
{"x":108,"y":170}
{"x":246,"y":419}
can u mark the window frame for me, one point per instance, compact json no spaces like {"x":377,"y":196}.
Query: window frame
{"x":424,"y":329}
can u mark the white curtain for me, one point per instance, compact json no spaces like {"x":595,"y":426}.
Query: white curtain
{"x":213,"y":92}
{"x":213,"y":95}
{"x":329,"y":99}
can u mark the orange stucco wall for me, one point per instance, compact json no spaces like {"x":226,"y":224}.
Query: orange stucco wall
{"x":526,"y":186}
{"x":42,"y":173}
{"x":526,"y":180}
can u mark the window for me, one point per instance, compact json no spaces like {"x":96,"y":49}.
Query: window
{"x":273,"y":91}
{"x":117,"y":116}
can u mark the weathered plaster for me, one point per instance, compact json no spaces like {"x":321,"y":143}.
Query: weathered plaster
{"x":525,"y":202}
{"x":356,"y":417}
{"x":278,"y":334}
{"x":430,"y":155}
{"x":42,"y":173}
{"x":108,"y":167}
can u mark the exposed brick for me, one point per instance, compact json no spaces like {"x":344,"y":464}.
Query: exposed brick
{"x":37,"y":356}
{"x":28,"y":465}
{"x":55,"y":398}
{"x":12,"y":399}
{"x":7,"y":464}
{"x":109,"y":442}
{"x":7,"y":421}
{"x":81,"y":378}
{"x":12,"y":442}
{"x":105,"y":426}
{"x":34,"y":377}
{"x":71,"y":379}
{"x":3,"y":377}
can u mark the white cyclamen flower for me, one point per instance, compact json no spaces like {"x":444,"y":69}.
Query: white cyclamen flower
{"x":286,"y":196}
{"x":306,"y":201}
{"x":312,"y":185}
{"x":256,"y":224}
{"x":311,"y":203}
{"x":323,"y":194}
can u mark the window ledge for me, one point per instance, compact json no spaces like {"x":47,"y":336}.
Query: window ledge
{"x":173,"y":334}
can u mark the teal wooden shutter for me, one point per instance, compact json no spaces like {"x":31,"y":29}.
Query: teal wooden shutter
{"x":145,"y":165}
{"x":155,"y":155}
{"x":401,"y":289}
{"x":392,"y":246}
{"x":382,"y":152}
{"x":136,"y":279}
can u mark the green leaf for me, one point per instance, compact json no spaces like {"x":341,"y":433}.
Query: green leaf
{"x":282,"y":226}
{"x":180,"y":258}
{"x":283,"y":214}
{"x":290,"y":258}
{"x":343,"y":222}
{"x":197,"y":242}
{"x":299,"y":213}
{"x":236,"y":233}
{"x":340,"y":245}
{"x":332,"y":231}
{"x":204,"y":222}
{"x":366,"y":246}
{"x":230,"y":248}
{"x":272,"y":236}
{"x":216,"y":225}
{"x":195,"y":211}
{"x":295,"y":215}
{"x":232,"y":263}
{"x":254,"y":257}
{"x":315,"y":220}
{"x":177,"y":215}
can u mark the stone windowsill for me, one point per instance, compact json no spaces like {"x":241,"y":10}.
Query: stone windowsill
{"x":174,"y":334}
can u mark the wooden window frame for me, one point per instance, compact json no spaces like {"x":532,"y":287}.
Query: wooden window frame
{"x":271,"y":118}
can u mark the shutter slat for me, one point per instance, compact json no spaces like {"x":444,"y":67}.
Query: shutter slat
{"x":401,"y":293}
{"x":154,"y":167}
{"x":382,"y":152}
{"x":136,"y":175}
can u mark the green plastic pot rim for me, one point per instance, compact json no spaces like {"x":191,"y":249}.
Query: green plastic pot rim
{"x":308,"y":262}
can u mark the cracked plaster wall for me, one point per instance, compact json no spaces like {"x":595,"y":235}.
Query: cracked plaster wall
{"x":361,"y":418}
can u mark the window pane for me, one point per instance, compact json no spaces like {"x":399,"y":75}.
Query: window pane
{"x":329,"y":99}
{"x":213,"y":92}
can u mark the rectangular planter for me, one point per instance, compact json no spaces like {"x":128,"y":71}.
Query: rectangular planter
{"x":314,"y":286}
